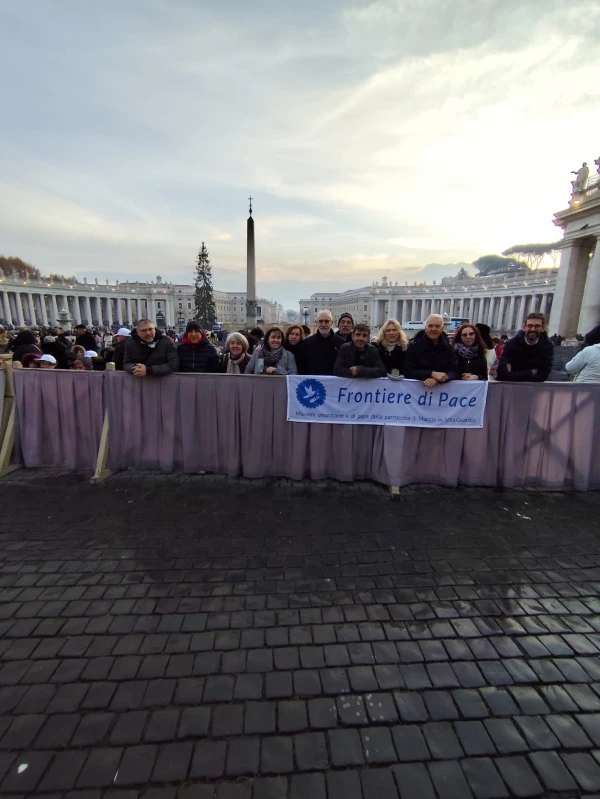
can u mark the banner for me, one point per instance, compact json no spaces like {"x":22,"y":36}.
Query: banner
{"x":401,"y":403}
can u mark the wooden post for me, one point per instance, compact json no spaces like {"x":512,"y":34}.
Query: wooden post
{"x":102,"y":472}
{"x":9,"y":417}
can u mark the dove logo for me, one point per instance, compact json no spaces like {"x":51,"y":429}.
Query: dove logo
{"x":311,"y":393}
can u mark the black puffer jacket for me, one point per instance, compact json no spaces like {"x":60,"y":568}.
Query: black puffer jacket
{"x":524,"y":357}
{"x":367,"y":360}
{"x":473,"y":366}
{"x":200,"y":357}
{"x":425,"y":356}
{"x":320,"y":353}
{"x":392,"y":359}
{"x":87,"y":341}
{"x":159,"y":358}
{"x":59,"y":351}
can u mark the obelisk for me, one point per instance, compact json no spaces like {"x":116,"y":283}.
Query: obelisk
{"x":250,"y":273}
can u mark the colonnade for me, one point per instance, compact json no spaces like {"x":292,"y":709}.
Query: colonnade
{"x":31,"y":307}
{"x":504,"y":313}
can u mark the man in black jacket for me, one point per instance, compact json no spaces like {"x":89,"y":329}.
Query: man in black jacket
{"x":345,"y":327}
{"x":196,"y":353}
{"x":359,"y":358}
{"x":116,"y":352}
{"x":528,"y":356}
{"x":321,"y":349}
{"x":85,"y":339}
{"x":430,"y":356}
{"x":149,"y":352}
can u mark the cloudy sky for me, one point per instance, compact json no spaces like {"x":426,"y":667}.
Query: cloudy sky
{"x":376,"y":137}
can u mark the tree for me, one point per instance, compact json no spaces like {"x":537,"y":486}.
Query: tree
{"x":533,"y":254}
{"x":206,"y":312}
{"x":495,"y":264}
{"x":16,"y":267}
{"x":463,"y":274}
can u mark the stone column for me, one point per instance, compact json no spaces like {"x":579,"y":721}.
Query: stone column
{"x":5,"y":307}
{"x":570,"y":284}
{"x":29,"y":296}
{"x":54,"y":307}
{"x":590,"y":306}
{"x":88,"y":309}
{"x":43,"y":310}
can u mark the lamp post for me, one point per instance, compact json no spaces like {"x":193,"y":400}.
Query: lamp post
{"x":181,"y":321}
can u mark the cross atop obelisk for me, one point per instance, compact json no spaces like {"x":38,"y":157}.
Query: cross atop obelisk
{"x":250,"y":273}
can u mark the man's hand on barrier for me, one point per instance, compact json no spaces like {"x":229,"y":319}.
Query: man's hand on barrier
{"x":139,"y":370}
{"x":353,"y":370}
{"x":430,"y":382}
{"x":439,"y":377}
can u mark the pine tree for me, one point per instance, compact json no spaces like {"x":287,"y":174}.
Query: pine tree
{"x":206,"y":312}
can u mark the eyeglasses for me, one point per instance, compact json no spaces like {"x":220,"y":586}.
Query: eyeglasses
{"x":534,"y":327}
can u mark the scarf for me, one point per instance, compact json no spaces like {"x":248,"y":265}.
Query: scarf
{"x":272,"y":357}
{"x":389,"y":347}
{"x":467,"y":352}
{"x":233,"y":364}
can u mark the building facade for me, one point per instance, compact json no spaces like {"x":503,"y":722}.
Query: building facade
{"x":502,"y":301}
{"x":52,"y":302}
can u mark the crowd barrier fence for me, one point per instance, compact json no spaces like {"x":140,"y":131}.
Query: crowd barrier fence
{"x":536,"y":434}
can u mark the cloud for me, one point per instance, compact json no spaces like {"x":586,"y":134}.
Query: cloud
{"x":374,"y":136}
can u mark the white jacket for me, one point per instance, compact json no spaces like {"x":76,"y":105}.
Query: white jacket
{"x":586,"y":365}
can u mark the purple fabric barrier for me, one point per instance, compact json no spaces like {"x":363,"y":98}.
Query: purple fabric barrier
{"x":59,"y":417}
{"x":534,"y":434}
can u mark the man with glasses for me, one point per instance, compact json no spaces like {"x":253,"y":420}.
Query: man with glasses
{"x":527,"y":356}
{"x":149,"y":352}
{"x":321,"y":349}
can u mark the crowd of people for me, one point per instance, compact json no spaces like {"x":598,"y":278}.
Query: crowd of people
{"x":432,"y":356}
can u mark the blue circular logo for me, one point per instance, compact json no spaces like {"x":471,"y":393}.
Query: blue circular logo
{"x":311,"y":393}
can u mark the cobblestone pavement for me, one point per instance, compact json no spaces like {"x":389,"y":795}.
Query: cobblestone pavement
{"x":210,"y":638}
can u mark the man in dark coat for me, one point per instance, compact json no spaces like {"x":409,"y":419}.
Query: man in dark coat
{"x":430,"y":356}
{"x":196,"y":353}
{"x":149,"y":352}
{"x":51,"y":346}
{"x":85,"y":339}
{"x":321,"y":349}
{"x":359,"y":358}
{"x":345,"y":327}
{"x":528,"y":356}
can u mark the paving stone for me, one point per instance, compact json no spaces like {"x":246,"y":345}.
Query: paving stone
{"x":410,"y":706}
{"x":137,"y":765}
{"x":292,"y":716}
{"x":311,"y":751}
{"x":310,"y":786}
{"x":260,"y":717}
{"x":591,"y":724}
{"x":474,"y":738}
{"x":518,"y":775}
{"x":378,"y":782}
{"x":62,"y":774}
{"x":442,"y":741}
{"x":568,"y":732}
{"x":342,"y":783}
{"x":449,"y":780}
{"x":208,"y":760}
{"x":243,"y":755}
{"x":346,"y":748}
{"x":483,"y":778}
{"x":505,"y":736}
{"x":409,"y":743}
{"x":584,"y":769}
{"x":277,"y":756}
{"x":412,"y":780}
{"x":100,"y":768}
{"x":536,"y":732}
{"x":552,"y":771}
{"x":26,"y":780}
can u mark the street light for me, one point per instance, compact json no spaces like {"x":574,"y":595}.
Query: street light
{"x":181,"y":320}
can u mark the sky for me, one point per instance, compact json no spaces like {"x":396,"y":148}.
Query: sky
{"x":393,"y":137}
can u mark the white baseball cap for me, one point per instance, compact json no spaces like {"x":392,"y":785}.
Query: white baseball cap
{"x":122,"y":331}
{"x":90,"y":354}
{"x":47,"y":358}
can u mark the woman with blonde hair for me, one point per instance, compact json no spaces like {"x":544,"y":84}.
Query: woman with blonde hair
{"x":236,"y":358}
{"x":392,"y":342}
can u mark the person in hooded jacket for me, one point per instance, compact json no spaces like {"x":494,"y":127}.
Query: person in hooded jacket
{"x":85,"y":339}
{"x":51,"y":346}
{"x":23,"y":344}
{"x":430,"y":356}
{"x":196,"y":353}
{"x":149,"y":352}
{"x":529,"y":355}
{"x":470,"y":353}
